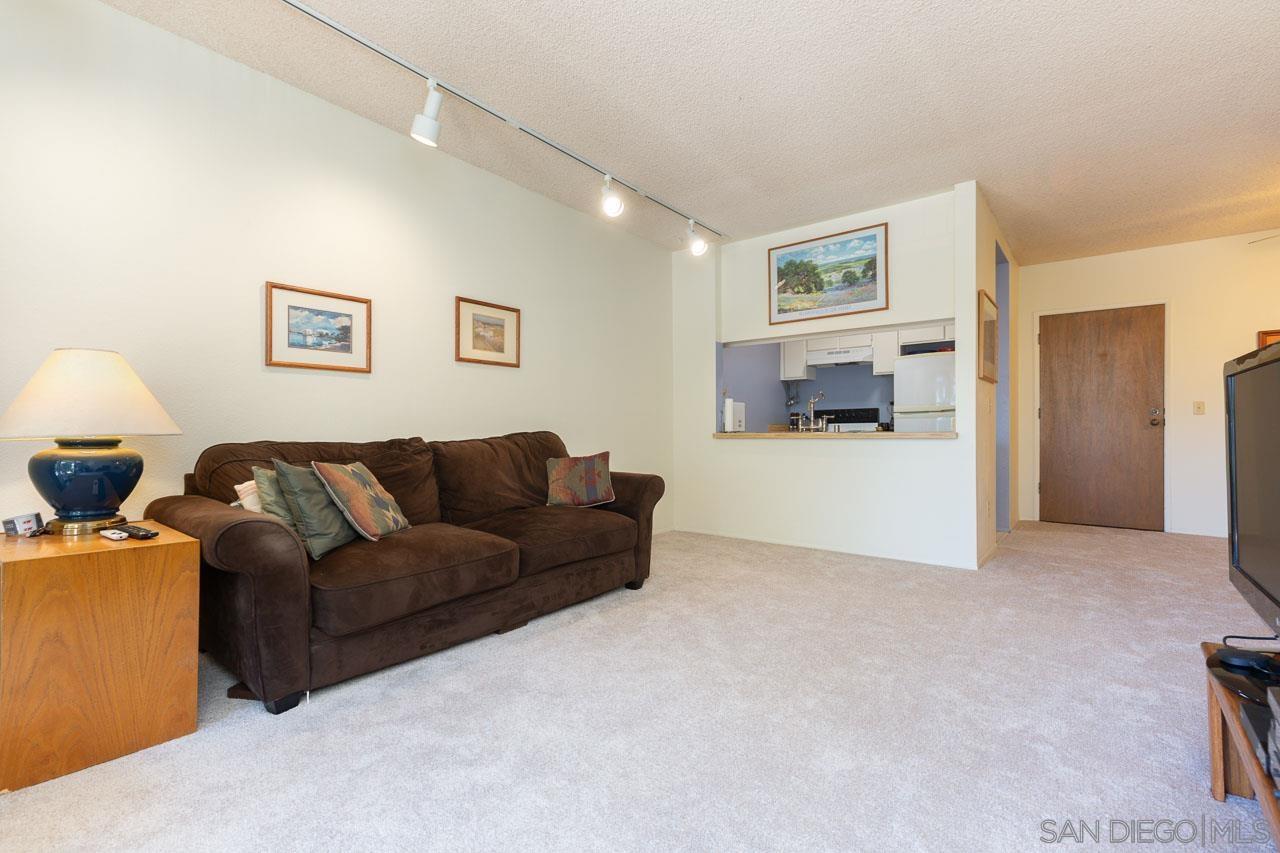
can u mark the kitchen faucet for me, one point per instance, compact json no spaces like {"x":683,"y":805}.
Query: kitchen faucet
{"x":821,"y":395}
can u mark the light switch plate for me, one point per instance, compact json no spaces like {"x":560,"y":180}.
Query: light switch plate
{"x":1197,"y":408}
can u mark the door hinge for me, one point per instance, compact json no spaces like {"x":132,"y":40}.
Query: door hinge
{"x":1037,"y":488}
{"x":1037,"y":411}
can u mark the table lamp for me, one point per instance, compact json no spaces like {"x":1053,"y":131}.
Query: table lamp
{"x":84,"y":400}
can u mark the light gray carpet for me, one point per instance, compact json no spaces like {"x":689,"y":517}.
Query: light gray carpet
{"x":749,"y":697}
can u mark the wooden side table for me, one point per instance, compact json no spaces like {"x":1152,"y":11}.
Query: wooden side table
{"x":98,"y":649}
{"x":1233,"y":766}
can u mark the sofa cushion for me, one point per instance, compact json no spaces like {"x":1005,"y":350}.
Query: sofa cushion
{"x":364,"y":584}
{"x":404,"y":466}
{"x":485,"y":476}
{"x":551,"y":536}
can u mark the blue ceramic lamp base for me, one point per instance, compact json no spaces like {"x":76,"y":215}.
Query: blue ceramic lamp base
{"x":85,"y":480}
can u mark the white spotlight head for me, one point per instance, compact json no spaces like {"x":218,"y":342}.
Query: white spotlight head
{"x":697,"y":245}
{"x":426,"y":126}
{"x":610,"y":201}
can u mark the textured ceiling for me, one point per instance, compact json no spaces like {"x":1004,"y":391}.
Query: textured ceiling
{"x":1092,"y":126}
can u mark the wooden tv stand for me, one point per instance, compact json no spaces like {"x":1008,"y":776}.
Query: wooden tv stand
{"x":1233,"y":767}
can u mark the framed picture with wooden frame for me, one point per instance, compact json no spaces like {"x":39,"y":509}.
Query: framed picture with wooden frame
{"x":831,"y":276}
{"x":318,"y":330}
{"x":485,"y":333}
{"x":1267,"y":337}
{"x":988,"y":338}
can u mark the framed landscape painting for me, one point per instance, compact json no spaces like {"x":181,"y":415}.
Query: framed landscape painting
{"x":318,"y":329}
{"x":485,"y":333}
{"x":845,"y":273}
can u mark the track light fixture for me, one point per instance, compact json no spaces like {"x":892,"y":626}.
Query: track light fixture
{"x":426,"y":126}
{"x":610,"y":201}
{"x":697,"y":245}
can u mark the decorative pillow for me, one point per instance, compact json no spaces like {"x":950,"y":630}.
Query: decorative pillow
{"x":271,"y":498}
{"x":367,"y":506}
{"x":248,"y":494}
{"x":321,"y":524}
{"x":579,"y":481}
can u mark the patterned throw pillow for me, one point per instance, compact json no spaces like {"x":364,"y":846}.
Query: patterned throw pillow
{"x":368,"y":507}
{"x":579,"y":481}
{"x":320,"y":523}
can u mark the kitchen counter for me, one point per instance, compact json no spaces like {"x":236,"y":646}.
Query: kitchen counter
{"x":838,"y":436}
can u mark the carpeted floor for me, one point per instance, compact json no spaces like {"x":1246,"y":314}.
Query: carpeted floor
{"x":750,"y":697}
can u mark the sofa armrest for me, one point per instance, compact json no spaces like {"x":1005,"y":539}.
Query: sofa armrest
{"x":263,"y":617}
{"x":635,"y":496}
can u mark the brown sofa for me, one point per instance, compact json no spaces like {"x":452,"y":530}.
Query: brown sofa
{"x":485,"y":554}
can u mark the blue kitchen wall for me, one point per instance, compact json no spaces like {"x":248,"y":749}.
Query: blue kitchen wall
{"x":749,"y":374}
{"x":849,"y":386}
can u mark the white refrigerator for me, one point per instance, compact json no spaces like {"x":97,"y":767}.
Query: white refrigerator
{"x":924,"y":392}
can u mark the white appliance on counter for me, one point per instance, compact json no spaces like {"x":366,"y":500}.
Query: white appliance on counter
{"x":924,"y":392}
{"x":735,"y":415}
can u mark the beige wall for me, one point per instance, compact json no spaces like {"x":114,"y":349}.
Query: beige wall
{"x":920,"y":260}
{"x":151,"y":186}
{"x":1218,"y":294}
{"x":910,"y":500}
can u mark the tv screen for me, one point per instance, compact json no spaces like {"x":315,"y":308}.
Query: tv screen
{"x":1253,"y":470}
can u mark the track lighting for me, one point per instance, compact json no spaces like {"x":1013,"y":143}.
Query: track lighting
{"x":610,"y":201}
{"x":697,"y":245}
{"x":426,"y":126}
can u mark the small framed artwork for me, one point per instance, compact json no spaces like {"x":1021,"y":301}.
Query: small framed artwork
{"x":485,"y":333}
{"x":318,"y":329}
{"x":845,"y":273}
{"x":988,"y":338}
{"x":1267,"y":337}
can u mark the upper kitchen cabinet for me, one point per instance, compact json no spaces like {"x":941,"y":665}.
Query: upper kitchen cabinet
{"x":794,"y":358}
{"x":922,"y":335}
{"x":884,"y":350}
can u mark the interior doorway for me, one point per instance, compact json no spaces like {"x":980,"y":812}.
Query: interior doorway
{"x":1004,"y":388}
{"x":1102,"y":415}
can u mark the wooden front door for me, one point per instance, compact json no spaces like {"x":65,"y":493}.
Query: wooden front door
{"x":1102,"y":417}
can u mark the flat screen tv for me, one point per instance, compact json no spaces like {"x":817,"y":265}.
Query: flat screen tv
{"x":1253,"y":479}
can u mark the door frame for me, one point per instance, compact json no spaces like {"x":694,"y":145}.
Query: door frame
{"x":1035,"y":378}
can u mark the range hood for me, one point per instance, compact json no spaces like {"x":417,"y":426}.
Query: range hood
{"x":839,"y":355}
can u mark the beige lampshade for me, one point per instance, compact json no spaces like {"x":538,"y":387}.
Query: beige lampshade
{"x":85,"y":392}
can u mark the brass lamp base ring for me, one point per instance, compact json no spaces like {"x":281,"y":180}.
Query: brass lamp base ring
{"x":58,"y":527}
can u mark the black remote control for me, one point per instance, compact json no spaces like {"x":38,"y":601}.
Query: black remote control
{"x":136,"y":532}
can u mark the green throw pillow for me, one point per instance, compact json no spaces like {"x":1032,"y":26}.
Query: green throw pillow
{"x":321,"y":524}
{"x":270,"y":496}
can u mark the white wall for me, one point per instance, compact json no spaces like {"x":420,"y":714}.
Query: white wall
{"x":1219,"y":294}
{"x":151,"y":186}
{"x":920,"y":264}
{"x":910,"y":500}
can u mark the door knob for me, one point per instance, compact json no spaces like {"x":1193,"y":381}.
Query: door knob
{"x":1155,"y":422}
